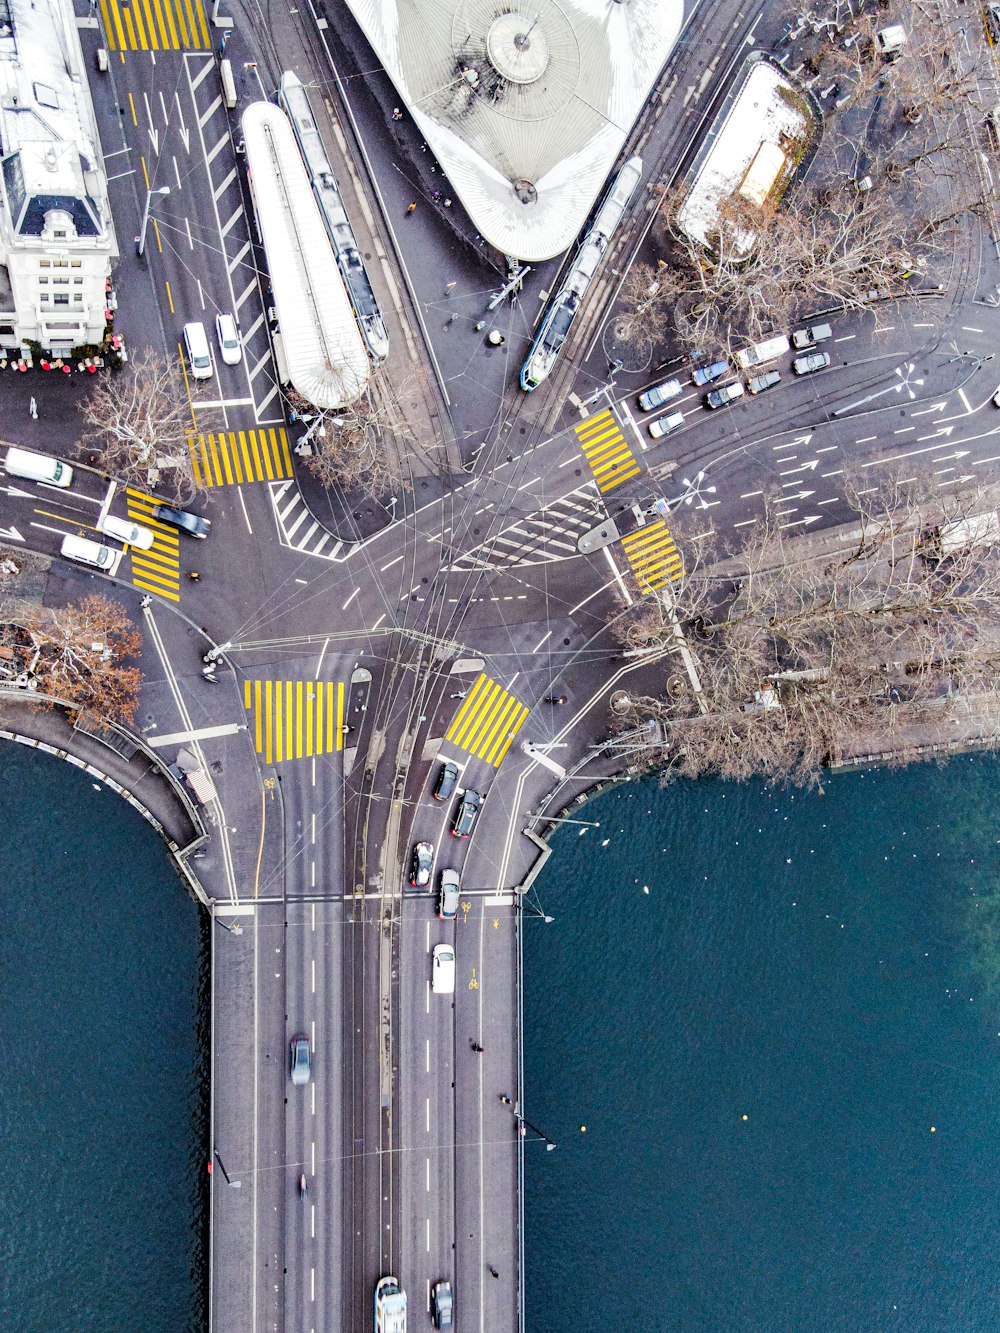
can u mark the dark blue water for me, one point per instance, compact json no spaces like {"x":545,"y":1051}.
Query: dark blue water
{"x":785,"y":1055}
{"x":103,"y":1043}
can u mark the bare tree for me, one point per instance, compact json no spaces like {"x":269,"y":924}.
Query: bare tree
{"x":644,"y":295}
{"x":83,"y":654}
{"x":140,"y":423}
{"x":359,"y":447}
{"x":795,"y":658}
{"x":765,"y":264}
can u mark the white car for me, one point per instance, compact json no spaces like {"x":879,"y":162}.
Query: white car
{"x":124,"y":530}
{"x":229,"y":339}
{"x":443,"y":970}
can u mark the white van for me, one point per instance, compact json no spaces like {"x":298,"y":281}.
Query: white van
{"x":199,"y":355}
{"x":38,"y":467}
{"x":761,"y":352}
{"x":443,"y":970}
{"x":104,"y":558}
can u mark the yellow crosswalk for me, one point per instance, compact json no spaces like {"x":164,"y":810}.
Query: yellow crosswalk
{"x":653,"y":556}
{"x":487,"y":721}
{"x":295,"y":719}
{"x":604,"y":447}
{"x":155,"y":25}
{"x":234,"y":456}
{"x":158,"y":569}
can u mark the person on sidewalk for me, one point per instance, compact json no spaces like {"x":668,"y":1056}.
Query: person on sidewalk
{"x":411,"y":208}
{"x":33,"y":410}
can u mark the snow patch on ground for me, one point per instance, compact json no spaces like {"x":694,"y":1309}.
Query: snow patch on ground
{"x":759,"y":114}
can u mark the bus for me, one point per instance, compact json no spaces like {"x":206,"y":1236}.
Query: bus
{"x":390,"y":1306}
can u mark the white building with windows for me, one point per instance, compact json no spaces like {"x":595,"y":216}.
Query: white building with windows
{"x":57,"y":239}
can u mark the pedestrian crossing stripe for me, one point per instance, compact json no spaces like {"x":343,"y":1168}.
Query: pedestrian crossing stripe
{"x":653,"y":556}
{"x":231,"y":457}
{"x":295,"y":719}
{"x":611,"y":460}
{"x":155,"y":25}
{"x":158,"y":569}
{"x":487,"y":721}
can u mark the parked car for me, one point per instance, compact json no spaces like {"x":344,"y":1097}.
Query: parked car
{"x":673,"y":421}
{"x":816,"y":333}
{"x":124,"y":530}
{"x":466,"y":814}
{"x":660,"y":394}
{"x":445,"y":785}
{"x":229,"y":339}
{"x":805,"y":365}
{"x":761,"y":382}
{"x":299,"y":1065}
{"x":448,"y":895}
{"x":420,"y":865}
{"x":193,"y":524}
{"x":443,"y":970}
{"x":703,"y":375}
{"x":442,"y":1305}
{"x":993,"y":21}
{"x":727,"y":394}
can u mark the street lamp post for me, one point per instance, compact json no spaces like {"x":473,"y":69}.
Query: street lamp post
{"x":140,"y":243}
{"x":523,"y":1121}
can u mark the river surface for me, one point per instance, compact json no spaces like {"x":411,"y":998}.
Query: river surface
{"x":104,"y":1047}
{"x":777,"y":1016}
{"x":784,"y":1053}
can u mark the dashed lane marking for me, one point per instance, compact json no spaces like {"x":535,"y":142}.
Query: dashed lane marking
{"x":604,"y":447}
{"x":232,"y":457}
{"x":487,"y":721}
{"x":653,"y":556}
{"x":295,"y":719}
{"x":158,"y":569}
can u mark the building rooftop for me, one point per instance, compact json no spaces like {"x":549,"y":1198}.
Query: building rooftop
{"x":525,"y":103}
{"x":48,"y":138}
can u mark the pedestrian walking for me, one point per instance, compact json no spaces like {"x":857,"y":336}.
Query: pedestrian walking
{"x":411,"y":208}
{"x":194,"y":576}
{"x":505,"y":1099}
{"x":396,"y":113}
{"x":447,"y":203}
{"x":477,"y":1048}
{"x":494,"y":1273}
{"x":33,"y":410}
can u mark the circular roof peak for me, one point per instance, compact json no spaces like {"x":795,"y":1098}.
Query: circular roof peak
{"x":517,"y":48}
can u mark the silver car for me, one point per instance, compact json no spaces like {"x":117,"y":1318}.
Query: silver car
{"x":448,"y":895}
{"x":299,"y":1066}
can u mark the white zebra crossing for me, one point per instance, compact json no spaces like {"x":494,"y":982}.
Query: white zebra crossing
{"x":550,"y":534}
{"x":299,"y":529}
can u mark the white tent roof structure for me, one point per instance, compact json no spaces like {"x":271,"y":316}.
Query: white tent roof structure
{"x":327,"y":361}
{"x":525,"y":103}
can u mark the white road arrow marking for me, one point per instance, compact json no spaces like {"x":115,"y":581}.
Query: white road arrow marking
{"x":182,"y":129}
{"x":941,"y":430}
{"x":10,"y":535}
{"x":934,"y":407}
{"x":790,"y":444}
{"x":799,"y":495}
{"x":802,"y":467}
{"x":895,"y":458}
{"x":799,"y":522}
{"x":959,"y":453}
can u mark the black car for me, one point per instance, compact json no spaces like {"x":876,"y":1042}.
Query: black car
{"x":445,"y":784}
{"x":466,"y":814}
{"x":193,"y":524}
{"x":420,"y":865}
